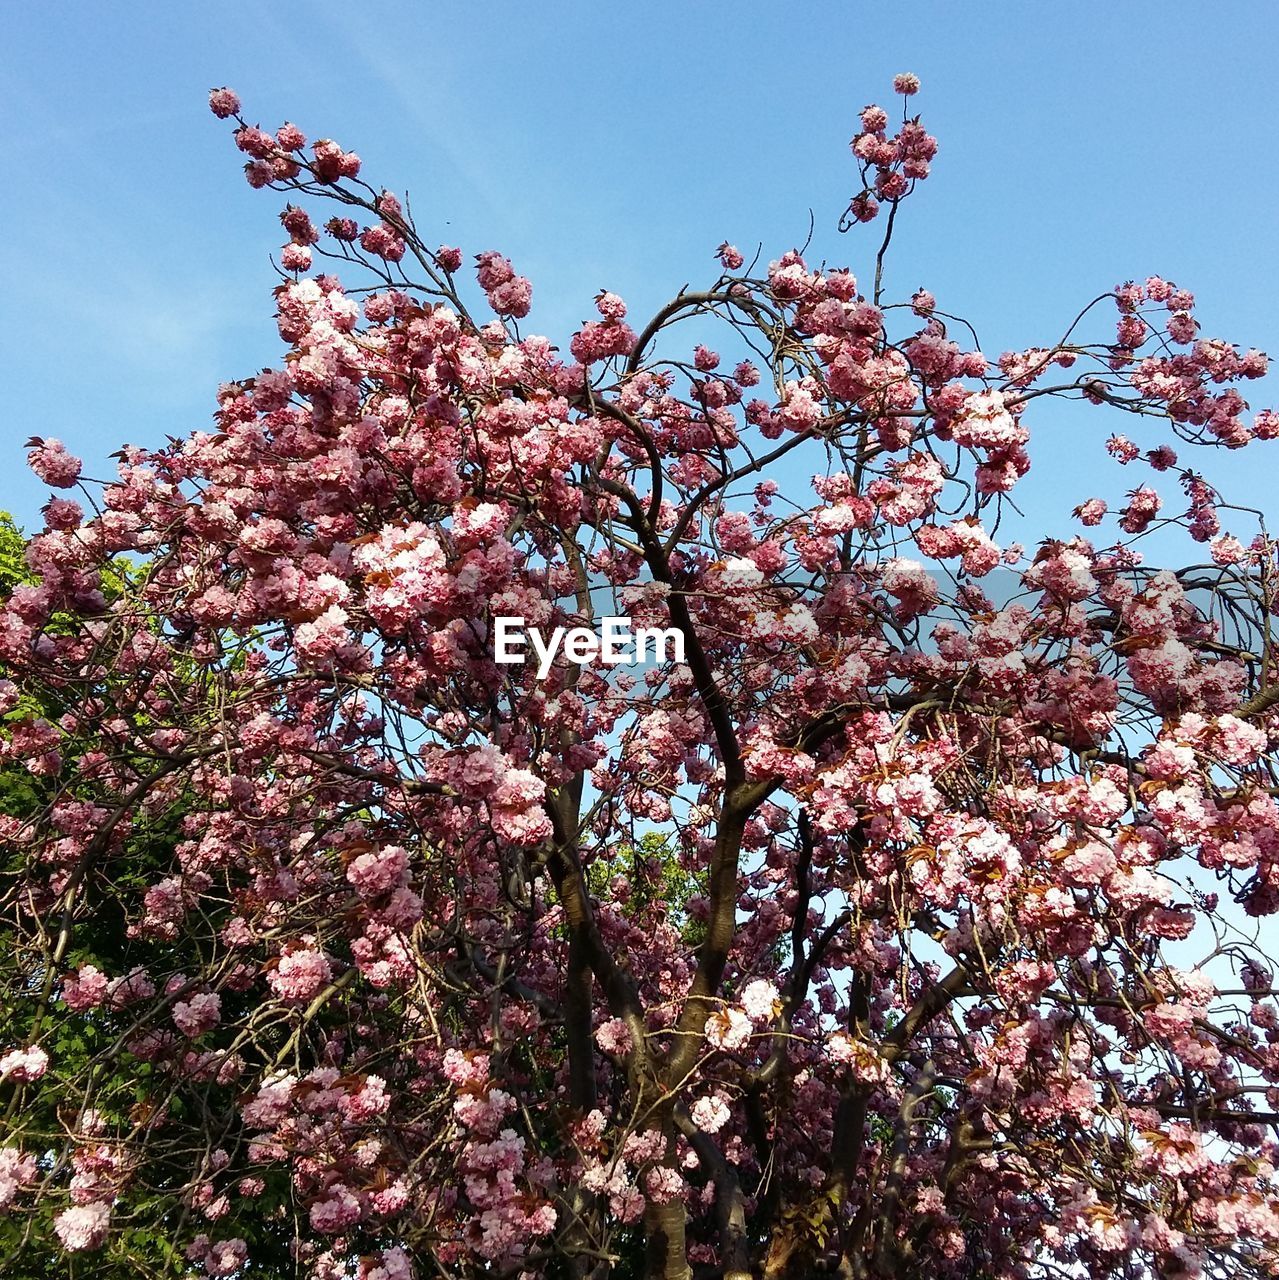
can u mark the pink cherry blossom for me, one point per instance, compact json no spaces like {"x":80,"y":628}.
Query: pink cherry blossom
{"x":301,"y":974}
{"x":728,"y":1028}
{"x":198,"y":1014}
{"x":54,"y":464}
{"x":83,"y":1227}
{"x":223,"y":102}
{"x":23,"y":1064}
{"x":710,"y":1114}
{"x":758,"y":1000}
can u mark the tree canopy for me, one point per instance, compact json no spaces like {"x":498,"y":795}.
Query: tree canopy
{"x":912,"y":924}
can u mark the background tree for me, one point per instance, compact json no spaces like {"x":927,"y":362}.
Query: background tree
{"x":910,"y":926}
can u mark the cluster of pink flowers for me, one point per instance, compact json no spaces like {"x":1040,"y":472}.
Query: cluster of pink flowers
{"x":218,"y":1257}
{"x":301,"y":974}
{"x":609,"y":336}
{"x":87,"y":989}
{"x":23,"y":1064}
{"x":54,"y":464}
{"x":18,"y":1172}
{"x":83,"y":1227}
{"x":729,"y":1028}
{"x":198,"y":1014}
{"x":508,"y":294}
{"x":897,"y":161}
{"x":966,"y":539}
{"x":711,"y":1114}
{"x":614,"y":1036}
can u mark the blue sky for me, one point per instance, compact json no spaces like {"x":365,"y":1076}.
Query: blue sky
{"x":609,"y":146}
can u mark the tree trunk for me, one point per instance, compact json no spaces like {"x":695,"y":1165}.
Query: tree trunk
{"x":665,"y":1253}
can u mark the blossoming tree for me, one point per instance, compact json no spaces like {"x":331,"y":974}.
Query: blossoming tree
{"x":912,"y":926}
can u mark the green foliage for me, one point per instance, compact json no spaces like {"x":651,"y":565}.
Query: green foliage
{"x":13,"y":555}
{"x":19,"y":792}
{"x":141,"y":1246}
{"x":654,"y":874}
